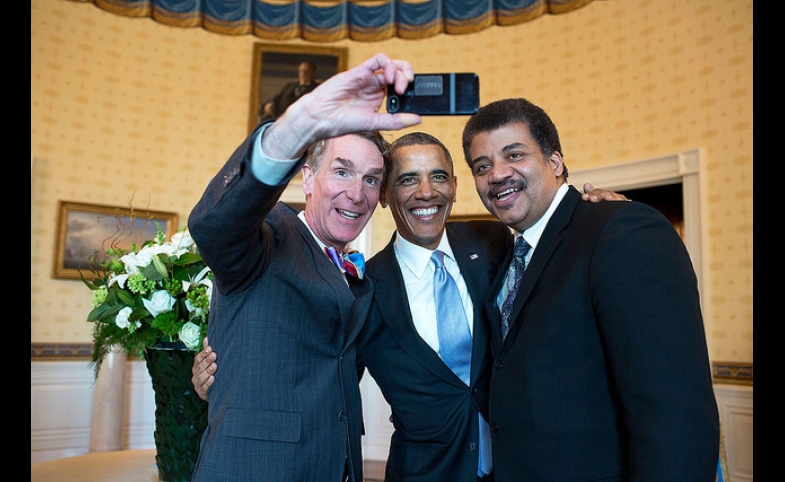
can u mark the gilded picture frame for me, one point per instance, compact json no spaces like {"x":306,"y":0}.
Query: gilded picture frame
{"x":275,"y":65}
{"x":85,"y":231}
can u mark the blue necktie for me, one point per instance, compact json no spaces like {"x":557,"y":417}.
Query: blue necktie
{"x":455,"y":341}
{"x":519,"y":264}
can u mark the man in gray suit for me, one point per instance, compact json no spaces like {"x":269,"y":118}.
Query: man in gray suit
{"x":283,"y":316}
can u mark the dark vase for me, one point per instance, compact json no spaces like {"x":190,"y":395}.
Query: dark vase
{"x":180,"y":415}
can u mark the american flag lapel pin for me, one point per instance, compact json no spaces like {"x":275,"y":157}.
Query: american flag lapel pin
{"x":473,"y":256}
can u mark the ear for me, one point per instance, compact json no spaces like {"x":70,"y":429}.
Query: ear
{"x":454,"y":188}
{"x":308,"y":174}
{"x":557,"y":164}
{"x":383,"y":197}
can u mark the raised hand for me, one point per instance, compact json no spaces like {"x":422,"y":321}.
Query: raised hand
{"x":347,"y":102}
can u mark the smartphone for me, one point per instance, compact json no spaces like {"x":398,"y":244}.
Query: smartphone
{"x":437,"y":94}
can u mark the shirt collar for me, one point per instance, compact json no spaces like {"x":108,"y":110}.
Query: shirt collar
{"x":416,"y":258}
{"x":534,"y":233}
{"x":301,"y":215}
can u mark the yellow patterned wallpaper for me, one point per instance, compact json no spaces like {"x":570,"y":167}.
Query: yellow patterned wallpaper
{"x":127,"y":111}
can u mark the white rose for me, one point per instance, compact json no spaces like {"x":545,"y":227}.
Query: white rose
{"x":182,"y":240}
{"x":189,"y":334}
{"x":160,"y":302}
{"x":121,"y":320}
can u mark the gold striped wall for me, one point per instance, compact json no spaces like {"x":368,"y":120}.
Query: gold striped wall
{"x":128,"y":111}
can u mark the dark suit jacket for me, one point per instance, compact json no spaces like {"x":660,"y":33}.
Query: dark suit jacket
{"x":605,"y":373}
{"x":434,"y":413}
{"x":287,"y":407}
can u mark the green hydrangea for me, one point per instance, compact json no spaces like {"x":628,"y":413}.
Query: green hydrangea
{"x":99,"y":296}
{"x":137,"y":283}
{"x":198,"y":298}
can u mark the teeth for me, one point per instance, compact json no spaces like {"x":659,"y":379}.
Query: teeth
{"x":506,"y":192}
{"x":425,"y":212}
{"x":349,"y":214}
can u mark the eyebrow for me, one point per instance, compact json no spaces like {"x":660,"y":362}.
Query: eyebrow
{"x":350,"y":164}
{"x":514,"y":145}
{"x":417,"y":174}
{"x":507,"y":148}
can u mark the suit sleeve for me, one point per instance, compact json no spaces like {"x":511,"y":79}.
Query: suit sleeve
{"x":647,"y":305}
{"x":227,"y":222}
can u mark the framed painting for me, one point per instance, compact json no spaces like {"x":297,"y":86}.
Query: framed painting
{"x":275,"y":66}
{"x":86,"y":231}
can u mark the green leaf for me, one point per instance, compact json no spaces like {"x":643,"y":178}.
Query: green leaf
{"x":189,"y":259}
{"x":100,"y":313}
{"x":126,"y":297}
{"x":151,"y":271}
{"x":158,"y":262}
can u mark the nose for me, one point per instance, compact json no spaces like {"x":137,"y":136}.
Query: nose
{"x":499,"y":172}
{"x":425,"y":190}
{"x":354,"y":190}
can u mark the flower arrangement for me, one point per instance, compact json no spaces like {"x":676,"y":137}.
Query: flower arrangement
{"x":159,"y":292}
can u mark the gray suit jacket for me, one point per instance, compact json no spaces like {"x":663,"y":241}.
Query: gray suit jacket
{"x":287,"y":407}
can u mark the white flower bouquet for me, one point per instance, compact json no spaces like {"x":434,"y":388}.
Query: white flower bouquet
{"x":159,"y":292}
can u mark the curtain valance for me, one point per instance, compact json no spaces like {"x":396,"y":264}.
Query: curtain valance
{"x":330,"y":20}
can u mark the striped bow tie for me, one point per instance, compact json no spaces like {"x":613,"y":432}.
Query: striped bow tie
{"x":352,"y":263}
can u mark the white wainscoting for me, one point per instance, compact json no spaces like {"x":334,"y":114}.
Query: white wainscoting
{"x":378,"y":428}
{"x":735,"y":405}
{"x":61,"y":401}
{"x":61,"y":404}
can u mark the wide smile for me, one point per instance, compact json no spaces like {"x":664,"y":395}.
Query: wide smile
{"x":502,"y":195}
{"x":424,"y":212}
{"x":348,"y":214}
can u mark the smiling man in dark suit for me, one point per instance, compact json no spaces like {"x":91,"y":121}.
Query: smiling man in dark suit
{"x":441,"y":432}
{"x":601,"y":371}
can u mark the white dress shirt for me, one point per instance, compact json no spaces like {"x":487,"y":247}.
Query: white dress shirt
{"x":417,"y":270}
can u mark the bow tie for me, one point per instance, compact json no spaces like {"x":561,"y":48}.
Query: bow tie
{"x":352,"y":263}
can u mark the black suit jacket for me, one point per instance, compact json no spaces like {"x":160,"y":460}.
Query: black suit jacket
{"x":605,"y":372}
{"x":287,"y":406}
{"x":434,"y":413}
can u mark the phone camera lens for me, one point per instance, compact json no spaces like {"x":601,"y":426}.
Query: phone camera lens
{"x":392,"y":104}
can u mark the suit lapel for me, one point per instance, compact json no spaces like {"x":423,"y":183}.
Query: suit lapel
{"x":474,"y":271}
{"x":352,"y":314}
{"x":551,"y":238}
{"x":363,"y":295}
{"x":390,"y":296}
